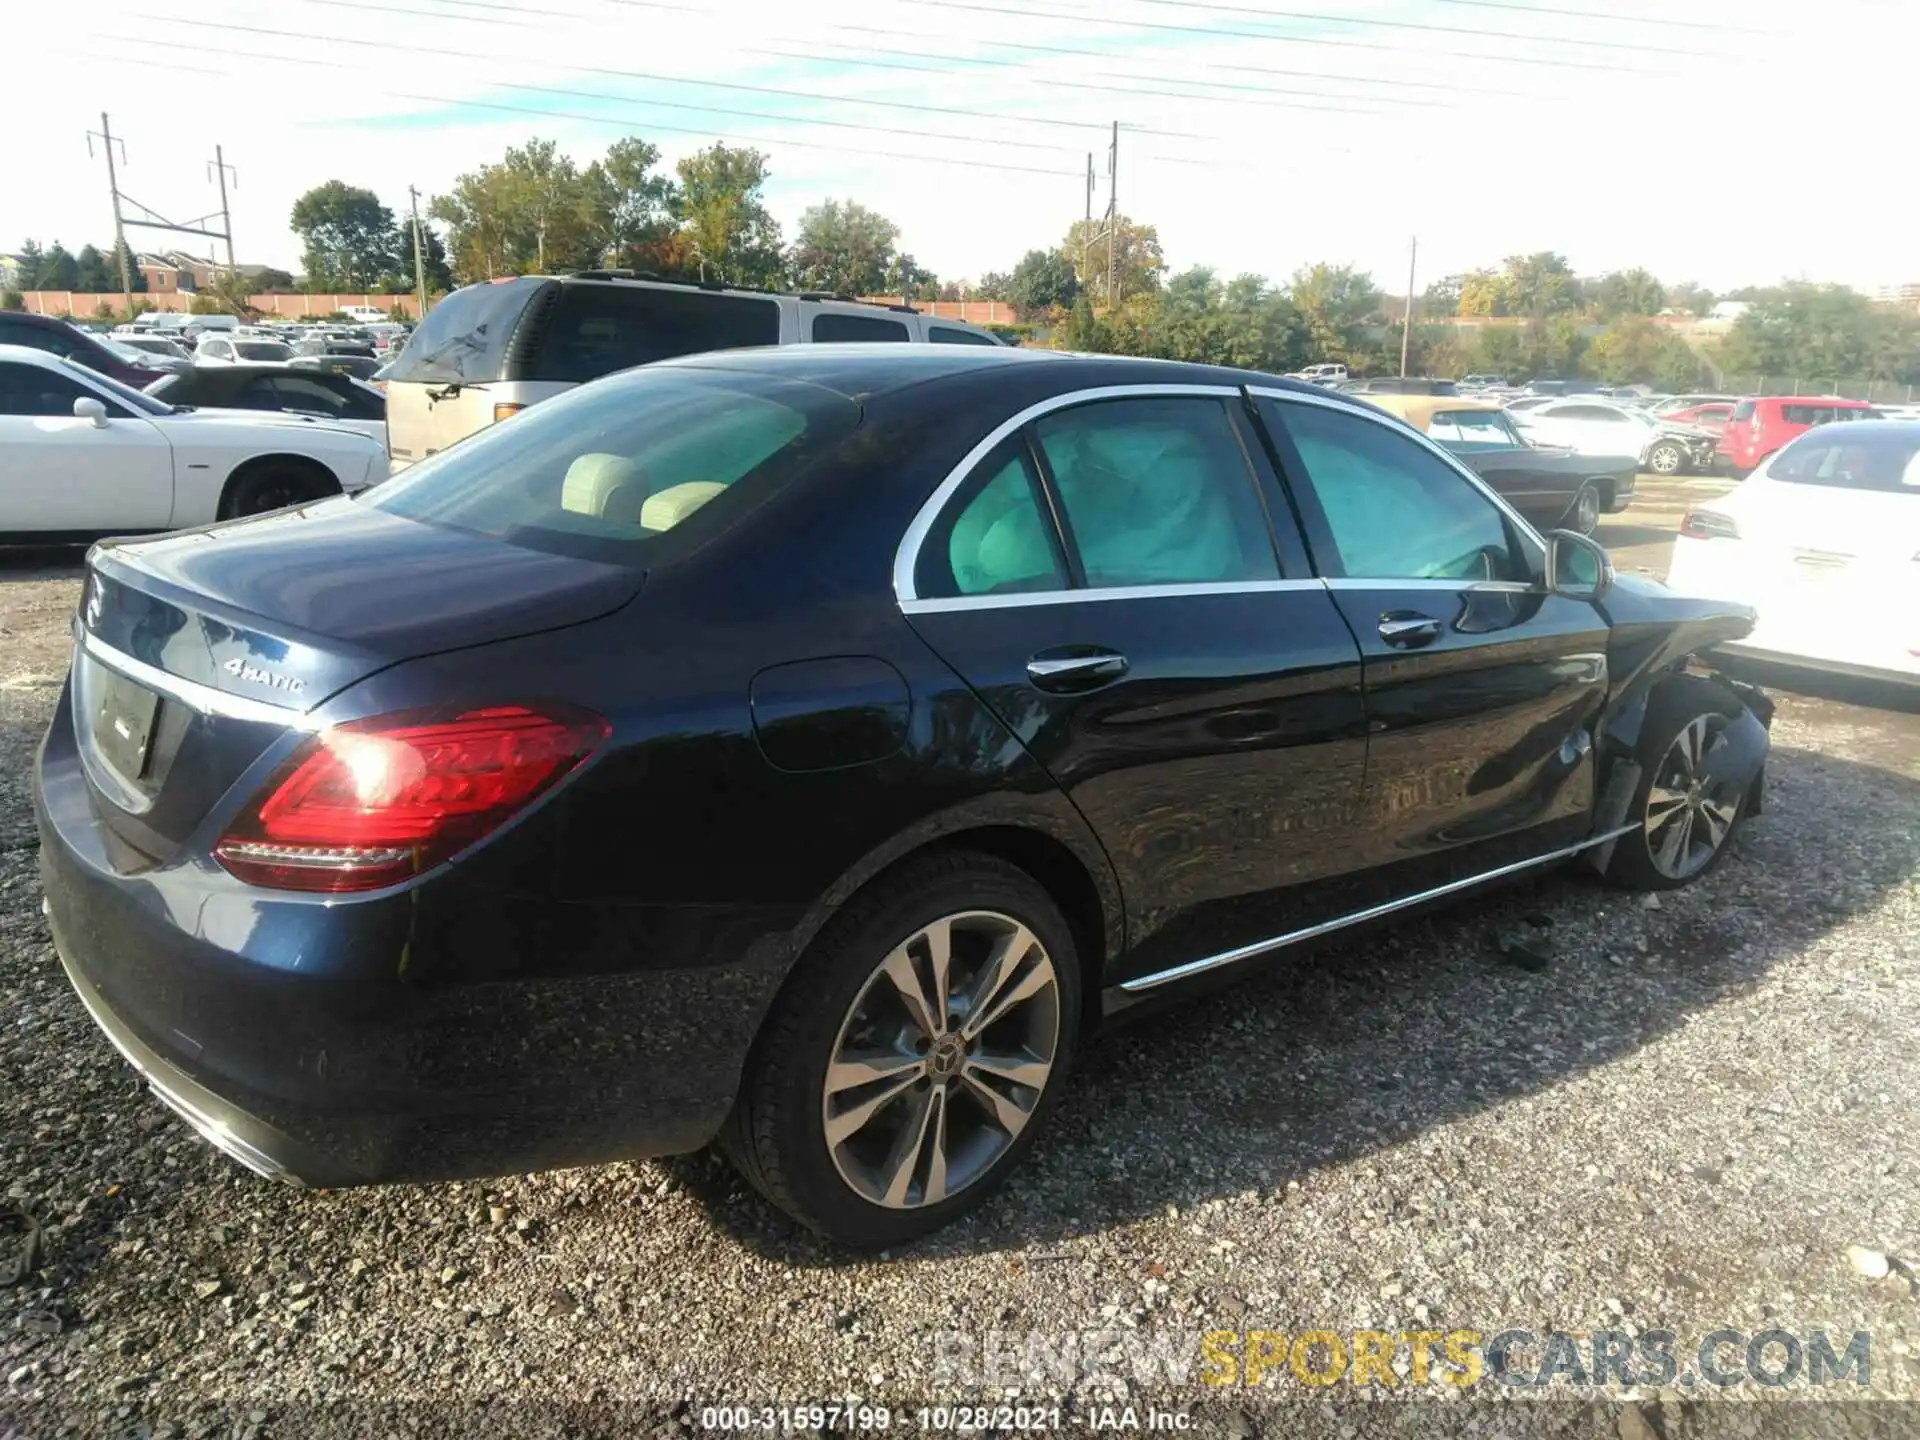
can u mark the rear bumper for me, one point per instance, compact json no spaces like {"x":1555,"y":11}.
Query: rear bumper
{"x":324,"y":1043}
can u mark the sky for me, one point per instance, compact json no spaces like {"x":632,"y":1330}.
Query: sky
{"x":1728,"y":142}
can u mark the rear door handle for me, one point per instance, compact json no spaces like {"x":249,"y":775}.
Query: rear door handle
{"x":1065,"y":674}
{"x":1403,"y":628}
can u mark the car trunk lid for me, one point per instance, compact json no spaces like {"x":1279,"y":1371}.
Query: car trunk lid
{"x":199,"y":650}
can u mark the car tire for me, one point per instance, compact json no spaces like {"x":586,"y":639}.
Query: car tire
{"x":274,"y":485}
{"x":1584,"y":514}
{"x":1680,"y":832}
{"x":857,"y":1162}
{"x":1666,"y":458}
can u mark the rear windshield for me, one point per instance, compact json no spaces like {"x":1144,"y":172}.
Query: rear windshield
{"x":600,"y":327}
{"x":262,"y":350}
{"x":464,"y":337}
{"x":606,"y":470}
{"x":1854,"y":459}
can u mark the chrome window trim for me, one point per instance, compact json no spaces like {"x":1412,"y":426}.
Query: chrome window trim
{"x":1401,"y":427}
{"x":1325,"y":927}
{"x":1390,"y":582}
{"x":203,"y":699}
{"x":1107,"y":592}
{"x":907,"y":555}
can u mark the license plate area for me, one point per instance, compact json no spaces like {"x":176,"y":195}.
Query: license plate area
{"x":122,"y":723}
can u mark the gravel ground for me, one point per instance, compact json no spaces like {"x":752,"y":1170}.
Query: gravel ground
{"x":1683,"y":1121}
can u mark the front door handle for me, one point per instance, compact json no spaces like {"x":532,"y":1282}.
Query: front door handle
{"x":1404,"y":628}
{"x":1065,"y":674}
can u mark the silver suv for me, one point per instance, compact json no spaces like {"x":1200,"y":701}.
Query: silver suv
{"x":488,"y":351}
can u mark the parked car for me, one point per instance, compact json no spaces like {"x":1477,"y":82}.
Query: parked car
{"x":84,"y":455}
{"x":219,"y":350}
{"x":337,"y":399}
{"x":1823,"y":536}
{"x":367,"y":314}
{"x":1759,"y":427}
{"x":1711,"y":415}
{"x":1328,"y":372}
{"x":489,"y":351}
{"x":1600,"y":427}
{"x":1549,"y":486}
{"x":156,"y":351}
{"x":360,"y":367}
{"x":726,"y":749}
{"x":334,"y":345}
{"x":1687,"y":402}
{"x":100,"y":353}
{"x":1400,"y":385}
{"x":1482,"y":382}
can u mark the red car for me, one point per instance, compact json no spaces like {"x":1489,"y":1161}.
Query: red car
{"x":1712,"y":416}
{"x":1759,"y":427}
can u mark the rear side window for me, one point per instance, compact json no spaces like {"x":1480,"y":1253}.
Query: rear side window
{"x":596,"y":329}
{"x":464,"y":338}
{"x":1743,"y":411}
{"x":1807,"y":414}
{"x":998,"y":539}
{"x":1470,"y":429}
{"x":1888,"y":461}
{"x":948,"y":335}
{"x":606,"y":471}
{"x":834,"y":326}
{"x":1156,"y":492}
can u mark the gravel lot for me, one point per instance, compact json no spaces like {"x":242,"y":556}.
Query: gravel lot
{"x":1683,"y":1121}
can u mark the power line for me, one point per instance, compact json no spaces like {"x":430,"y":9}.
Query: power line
{"x":1321,"y":18}
{"x":443,"y":51}
{"x":1029,"y":13}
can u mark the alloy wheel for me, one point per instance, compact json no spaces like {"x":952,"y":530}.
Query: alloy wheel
{"x":1665,"y":460}
{"x":1689,"y":814}
{"x":941,"y":1059}
{"x":1586,"y":510}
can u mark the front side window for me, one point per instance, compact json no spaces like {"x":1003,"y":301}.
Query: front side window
{"x":605,"y":471}
{"x":1157,"y":491}
{"x":1393,"y":509}
{"x":840,"y":328}
{"x":34,"y":390}
{"x":996,"y":539}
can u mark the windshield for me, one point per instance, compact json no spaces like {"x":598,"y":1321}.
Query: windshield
{"x":262,"y":350}
{"x":605,"y":470}
{"x":141,"y":402}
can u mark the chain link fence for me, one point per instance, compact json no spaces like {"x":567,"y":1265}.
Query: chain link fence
{"x":1889,"y":392}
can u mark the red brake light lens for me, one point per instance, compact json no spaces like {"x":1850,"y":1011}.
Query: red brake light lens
{"x":374,"y":802}
{"x":504,"y":411}
{"x":1709,"y":525}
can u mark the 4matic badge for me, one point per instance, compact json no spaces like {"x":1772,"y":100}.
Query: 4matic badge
{"x":260,"y":676}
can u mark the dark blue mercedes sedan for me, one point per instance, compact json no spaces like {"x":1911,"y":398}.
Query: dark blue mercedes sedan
{"x":807,"y":750}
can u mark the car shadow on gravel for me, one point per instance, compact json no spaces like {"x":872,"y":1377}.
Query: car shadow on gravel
{"x":1366,"y":1044}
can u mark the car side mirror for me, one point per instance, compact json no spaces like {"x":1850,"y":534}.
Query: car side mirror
{"x":1577,"y":567}
{"x":88,"y":408}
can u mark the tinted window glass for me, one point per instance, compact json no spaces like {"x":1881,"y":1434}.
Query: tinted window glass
{"x":606,"y":470}
{"x":256,"y":394}
{"x":998,"y":539}
{"x":1395,"y":510}
{"x":262,"y":350}
{"x":1587,"y":412}
{"x":1887,"y":461}
{"x":1157,"y":492}
{"x":1807,"y":414}
{"x":833,"y":326}
{"x":32,"y":390}
{"x":465,"y":336}
{"x":599,"y":328}
{"x":37,"y":337}
{"x":1743,"y":411}
{"x":1470,"y":429}
{"x":308,"y":394}
{"x":947,"y":335}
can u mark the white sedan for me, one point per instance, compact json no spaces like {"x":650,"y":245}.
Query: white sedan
{"x":1824,"y":541}
{"x":1591,"y":426}
{"x":241,"y":350}
{"x":82,"y":455}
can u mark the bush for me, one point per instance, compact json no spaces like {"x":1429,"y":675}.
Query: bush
{"x":103,"y":311}
{"x":12,"y":300}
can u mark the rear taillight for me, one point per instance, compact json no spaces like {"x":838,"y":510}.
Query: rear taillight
{"x":1709,"y":525}
{"x":504,"y":411}
{"x":374,"y":802}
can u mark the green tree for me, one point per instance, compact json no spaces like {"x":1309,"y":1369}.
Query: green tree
{"x":1690,"y":297}
{"x":844,"y":248}
{"x":59,"y":270}
{"x":1084,"y":331}
{"x":635,"y":205}
{"x":724,"y":223}
{"x":1637,"y":350}
{"x":1137,"y":261}
{"x":995,"y":285}
{"x":1481,"y":294}
{"x":347,"y":234}
{"x":31,"y":261}
{"x":1628,"y":292}
{"x":1335,"y":302}
{"x":433,"y":259}
{"x":12,"y":300}
{"x":267,"y":280}
{"x":909,"y":279}
{"x":1442,"y":297}
{"x":91,"y":271}
{"x":136,"y":281}
{"x":1540,"y":284}
{"x":1043,"y":281}
{"x":1823,"y":334}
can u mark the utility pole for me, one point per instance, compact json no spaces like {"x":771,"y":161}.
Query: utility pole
{"x":1406,"y":331}
{"x":113,"y":186}
{"x":419,"y":269}
{"x":1113,"y":208}
{"x":220,"y":168}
